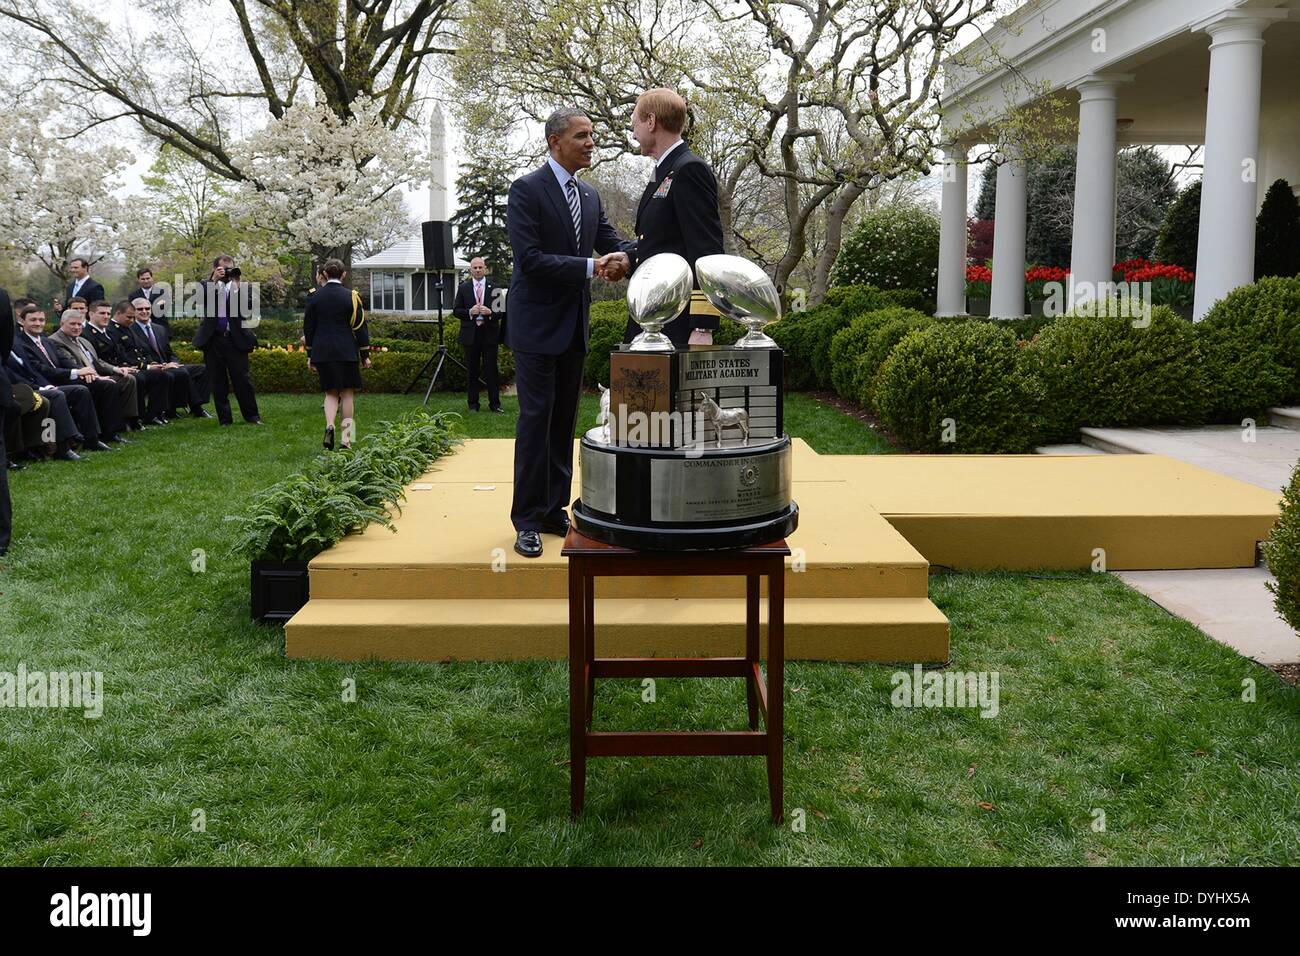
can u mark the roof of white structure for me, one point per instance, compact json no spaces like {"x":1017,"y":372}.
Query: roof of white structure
{"x":407,"y":254}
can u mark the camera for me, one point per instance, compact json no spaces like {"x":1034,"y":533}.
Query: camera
{"x":233,"y":272}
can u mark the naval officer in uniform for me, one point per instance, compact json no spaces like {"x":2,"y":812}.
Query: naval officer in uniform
{"x":678,"y":211}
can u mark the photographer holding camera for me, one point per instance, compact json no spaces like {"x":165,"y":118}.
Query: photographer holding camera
{"x":225,"y":343}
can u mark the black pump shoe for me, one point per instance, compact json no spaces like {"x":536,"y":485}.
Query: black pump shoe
{"x":329,"y":439}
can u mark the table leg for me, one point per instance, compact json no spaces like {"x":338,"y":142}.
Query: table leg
{"x":751,"y":646}
{"x":776,"y":689}
{"x":577,"y":687}
{"x":589,"y":640}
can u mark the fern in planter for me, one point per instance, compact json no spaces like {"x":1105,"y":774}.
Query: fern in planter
{"x":342,"y":492}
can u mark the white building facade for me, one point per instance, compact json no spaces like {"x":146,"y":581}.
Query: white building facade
{"x":1225,"y":75}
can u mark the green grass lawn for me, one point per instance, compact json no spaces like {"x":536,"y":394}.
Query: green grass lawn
{"x":1107,"y":704}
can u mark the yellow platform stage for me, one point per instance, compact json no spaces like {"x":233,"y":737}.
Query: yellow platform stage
{"x":448,"y":585}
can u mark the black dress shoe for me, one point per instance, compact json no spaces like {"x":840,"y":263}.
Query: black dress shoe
{"x":96,"y":446}
{"x":155,"y":422}
{"x":255,"y":421}
{"x":329,"y":439}
{"x":473,"y":408}
{"x":561,"y":529}
{"x":67,"y":455}
{"x":119,"y":440}
{"x":134,"y":425}
{"x":15,"y":465}
{"x":199,"y":412}
{"x":529,"y":544}
{"x":496,"y":408}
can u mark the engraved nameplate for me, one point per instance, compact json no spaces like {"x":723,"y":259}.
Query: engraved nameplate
{"x":719,"y":488}
{"x":599,"y":482}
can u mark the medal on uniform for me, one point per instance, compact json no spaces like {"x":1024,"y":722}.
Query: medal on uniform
{"x":662,"y":191}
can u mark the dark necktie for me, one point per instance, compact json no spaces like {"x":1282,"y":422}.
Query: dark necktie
{"x":223,"y":323}
{"x":575,"y":210}
{"x":148,"y":330}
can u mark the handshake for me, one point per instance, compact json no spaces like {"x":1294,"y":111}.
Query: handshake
{"x":613,"y":266}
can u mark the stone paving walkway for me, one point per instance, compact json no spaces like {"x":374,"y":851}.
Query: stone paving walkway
{"x":1231,"y":605}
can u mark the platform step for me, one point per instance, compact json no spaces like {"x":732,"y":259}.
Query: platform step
{"x":843,"y":629}
{"x":1285,"y":417}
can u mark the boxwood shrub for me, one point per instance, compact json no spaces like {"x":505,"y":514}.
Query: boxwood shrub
{"x":958,"y":387}
{"x":850,"y":343}
{"x":1251,"y":346}
{"x":1102,"y":371}
{"x":880,"y":343}
{"x":1282,"y":554}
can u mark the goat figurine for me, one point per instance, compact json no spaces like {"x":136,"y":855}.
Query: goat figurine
{"x":724,"y":418}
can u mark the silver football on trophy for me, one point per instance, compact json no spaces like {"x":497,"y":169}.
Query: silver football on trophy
{"x":657,"y":293}
{"x":741,"y":290}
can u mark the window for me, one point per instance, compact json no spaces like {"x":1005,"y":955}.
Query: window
{"x":388,"y":291}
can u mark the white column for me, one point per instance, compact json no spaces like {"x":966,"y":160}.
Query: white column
{"x":951,"y":299}
{"x":1092,"y":245}
{"x":1009,"y":212}
{"x":1226,"y":242}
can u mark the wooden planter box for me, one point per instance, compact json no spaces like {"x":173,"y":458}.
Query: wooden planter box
{"x":279,"y":590}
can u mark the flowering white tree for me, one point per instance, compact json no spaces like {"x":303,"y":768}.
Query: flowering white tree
{"x":324,"y":183}
{"x":56,"y":197}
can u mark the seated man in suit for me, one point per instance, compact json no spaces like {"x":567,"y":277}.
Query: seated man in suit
{"x":86,"y":399}
{"x":74,"y":351}
{"x":69,"y":406}
{"x":193,"y":390}
{"x":480,"y":330}
{"x":123,"y":352}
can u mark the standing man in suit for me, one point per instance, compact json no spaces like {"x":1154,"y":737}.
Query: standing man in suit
{"x":73,"y":351}
{"x":556,"y":224}
{"x":82,"y":284}
{"x":189,"y":382}
{"x":480,"y":330}
{"x":225,"y":343}
{"x":678,"y":211}
{"x":156,"y":297}
{"x":7,"y":407}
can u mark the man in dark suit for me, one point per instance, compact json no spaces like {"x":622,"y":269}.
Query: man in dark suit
{"x":555,"y":222}
{"x":80,"y":403}
{"x":190,"y":388}
{"x":678,"y":211}
{"x":38,"y":355}
{"x":225,"y":343}
{"x":480,"y":330}
{"x":73,"y":351}
{"x":154,"y":295}
{"x":123,"y":352}
{"x":8,"y":407}
{"x":82,"y":284}
{"x":66,"y":435}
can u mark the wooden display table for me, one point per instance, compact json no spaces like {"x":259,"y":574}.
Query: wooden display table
{"x":589,"y":560}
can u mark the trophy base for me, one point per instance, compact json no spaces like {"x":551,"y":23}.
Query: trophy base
{"x":685,"y":499}
{"x":651,"y":342}
{"x":652,"y":538}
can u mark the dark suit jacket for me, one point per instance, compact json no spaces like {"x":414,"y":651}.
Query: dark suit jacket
{"x":54,"y":369}
{"x":25,"y":372}
{"x":678,"y":213}
{"x":550,"y":294}
{"x":91,"y":291}
{"x":153,"y":295}
{"x":162,"y":336}
{"x":6,"y":346}
{"x":106,"y":346}
{"x":328,"y":326}
{"x":489,"y":332}
{"x":242,"y":339}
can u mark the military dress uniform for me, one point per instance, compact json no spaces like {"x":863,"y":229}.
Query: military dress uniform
{"x":678,"y":213}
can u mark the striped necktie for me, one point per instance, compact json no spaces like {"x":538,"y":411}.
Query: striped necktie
{"x":575,"y":210}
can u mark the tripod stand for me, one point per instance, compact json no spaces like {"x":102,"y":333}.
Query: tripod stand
{"x":440,"y":354}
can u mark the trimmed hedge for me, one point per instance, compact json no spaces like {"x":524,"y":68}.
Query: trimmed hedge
{"x":1260,"y":323}
{"x":1282,"y":554}
{"x":1102,"y":371}
{"x":879,"y":345}
{"x":959,"y":387}
{"x":850,"y":343}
